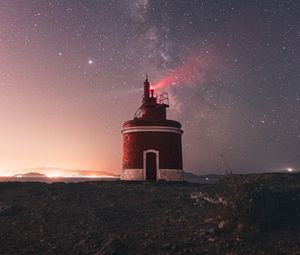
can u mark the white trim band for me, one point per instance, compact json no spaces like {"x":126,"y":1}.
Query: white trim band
{"x":152,"y":129}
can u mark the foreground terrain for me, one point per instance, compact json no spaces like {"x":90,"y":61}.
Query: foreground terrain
{"x":152,"y":218}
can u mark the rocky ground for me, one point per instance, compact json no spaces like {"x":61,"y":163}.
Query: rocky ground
{"x":137,"y":218}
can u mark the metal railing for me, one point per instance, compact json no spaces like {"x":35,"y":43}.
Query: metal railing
{"x":162,"y":99}
{"x":138,"y":113}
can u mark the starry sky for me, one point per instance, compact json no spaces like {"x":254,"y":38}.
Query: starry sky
{"x":72,"y":71}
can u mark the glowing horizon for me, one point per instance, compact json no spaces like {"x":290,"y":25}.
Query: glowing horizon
{"x":60,"y":175}
{"x":57,"y":172}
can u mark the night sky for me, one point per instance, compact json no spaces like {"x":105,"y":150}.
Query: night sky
{"x":72,"y":72}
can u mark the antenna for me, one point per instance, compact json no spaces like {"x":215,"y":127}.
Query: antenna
{"x":146,"y":90}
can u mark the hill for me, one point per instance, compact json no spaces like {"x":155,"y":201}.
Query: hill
{"x":31,"y":175}
{"x":49,"y":171}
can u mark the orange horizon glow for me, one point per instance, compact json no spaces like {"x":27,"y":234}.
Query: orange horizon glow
{"x":50,"y":172}
{"x":51,"y":176}
{"x":56,"y":175}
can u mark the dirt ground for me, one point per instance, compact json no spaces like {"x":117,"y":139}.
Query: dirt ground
{"x":125,"y":218}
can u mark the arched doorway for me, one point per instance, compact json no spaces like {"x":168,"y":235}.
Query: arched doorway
{"x":151,"y":166}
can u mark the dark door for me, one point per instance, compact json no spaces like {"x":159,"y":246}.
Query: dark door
{"x":151,"y":166}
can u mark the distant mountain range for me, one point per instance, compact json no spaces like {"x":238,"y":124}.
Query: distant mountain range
{"x":194,"y":178}
{"x":31,"y":175}
{"x":41,"y":172}
{"x":46,"y":172}
{"x":50,"y":172}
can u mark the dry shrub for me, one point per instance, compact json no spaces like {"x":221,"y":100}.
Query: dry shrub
{"x":262,"y":201}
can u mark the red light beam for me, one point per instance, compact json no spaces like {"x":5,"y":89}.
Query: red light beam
{"x":194,"y":70}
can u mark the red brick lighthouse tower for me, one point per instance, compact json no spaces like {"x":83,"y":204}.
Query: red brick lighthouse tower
{"x":151,"y":143}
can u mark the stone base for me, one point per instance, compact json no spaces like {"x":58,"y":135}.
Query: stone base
{"x":162,"y":174}
{"x":132,"y":175}
{"x":171,"y":174}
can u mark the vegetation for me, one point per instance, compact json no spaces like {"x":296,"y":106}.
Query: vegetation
{"x":263,"y":202}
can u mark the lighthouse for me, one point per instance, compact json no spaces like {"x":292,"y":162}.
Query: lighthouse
{"x":152,"y":147}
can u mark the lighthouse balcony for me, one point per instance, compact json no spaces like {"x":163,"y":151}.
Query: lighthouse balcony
{"x":154,"y":107}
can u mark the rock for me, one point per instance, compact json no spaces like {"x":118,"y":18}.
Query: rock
{"x":166,"y":245}
{"x":241,"y":227}
{"x":211,"y":240}
{"x":209,"y":220}
{"x":223,"y":224}
{"x":173,"y":247}
{"x":3,"y":207}
{"x":211,"y":231}
{"x":238,"y":239}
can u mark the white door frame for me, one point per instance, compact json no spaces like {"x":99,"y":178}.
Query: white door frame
{"x":157,"y":163}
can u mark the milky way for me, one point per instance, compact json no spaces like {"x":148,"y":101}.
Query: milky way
{"x":72,"y":72}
